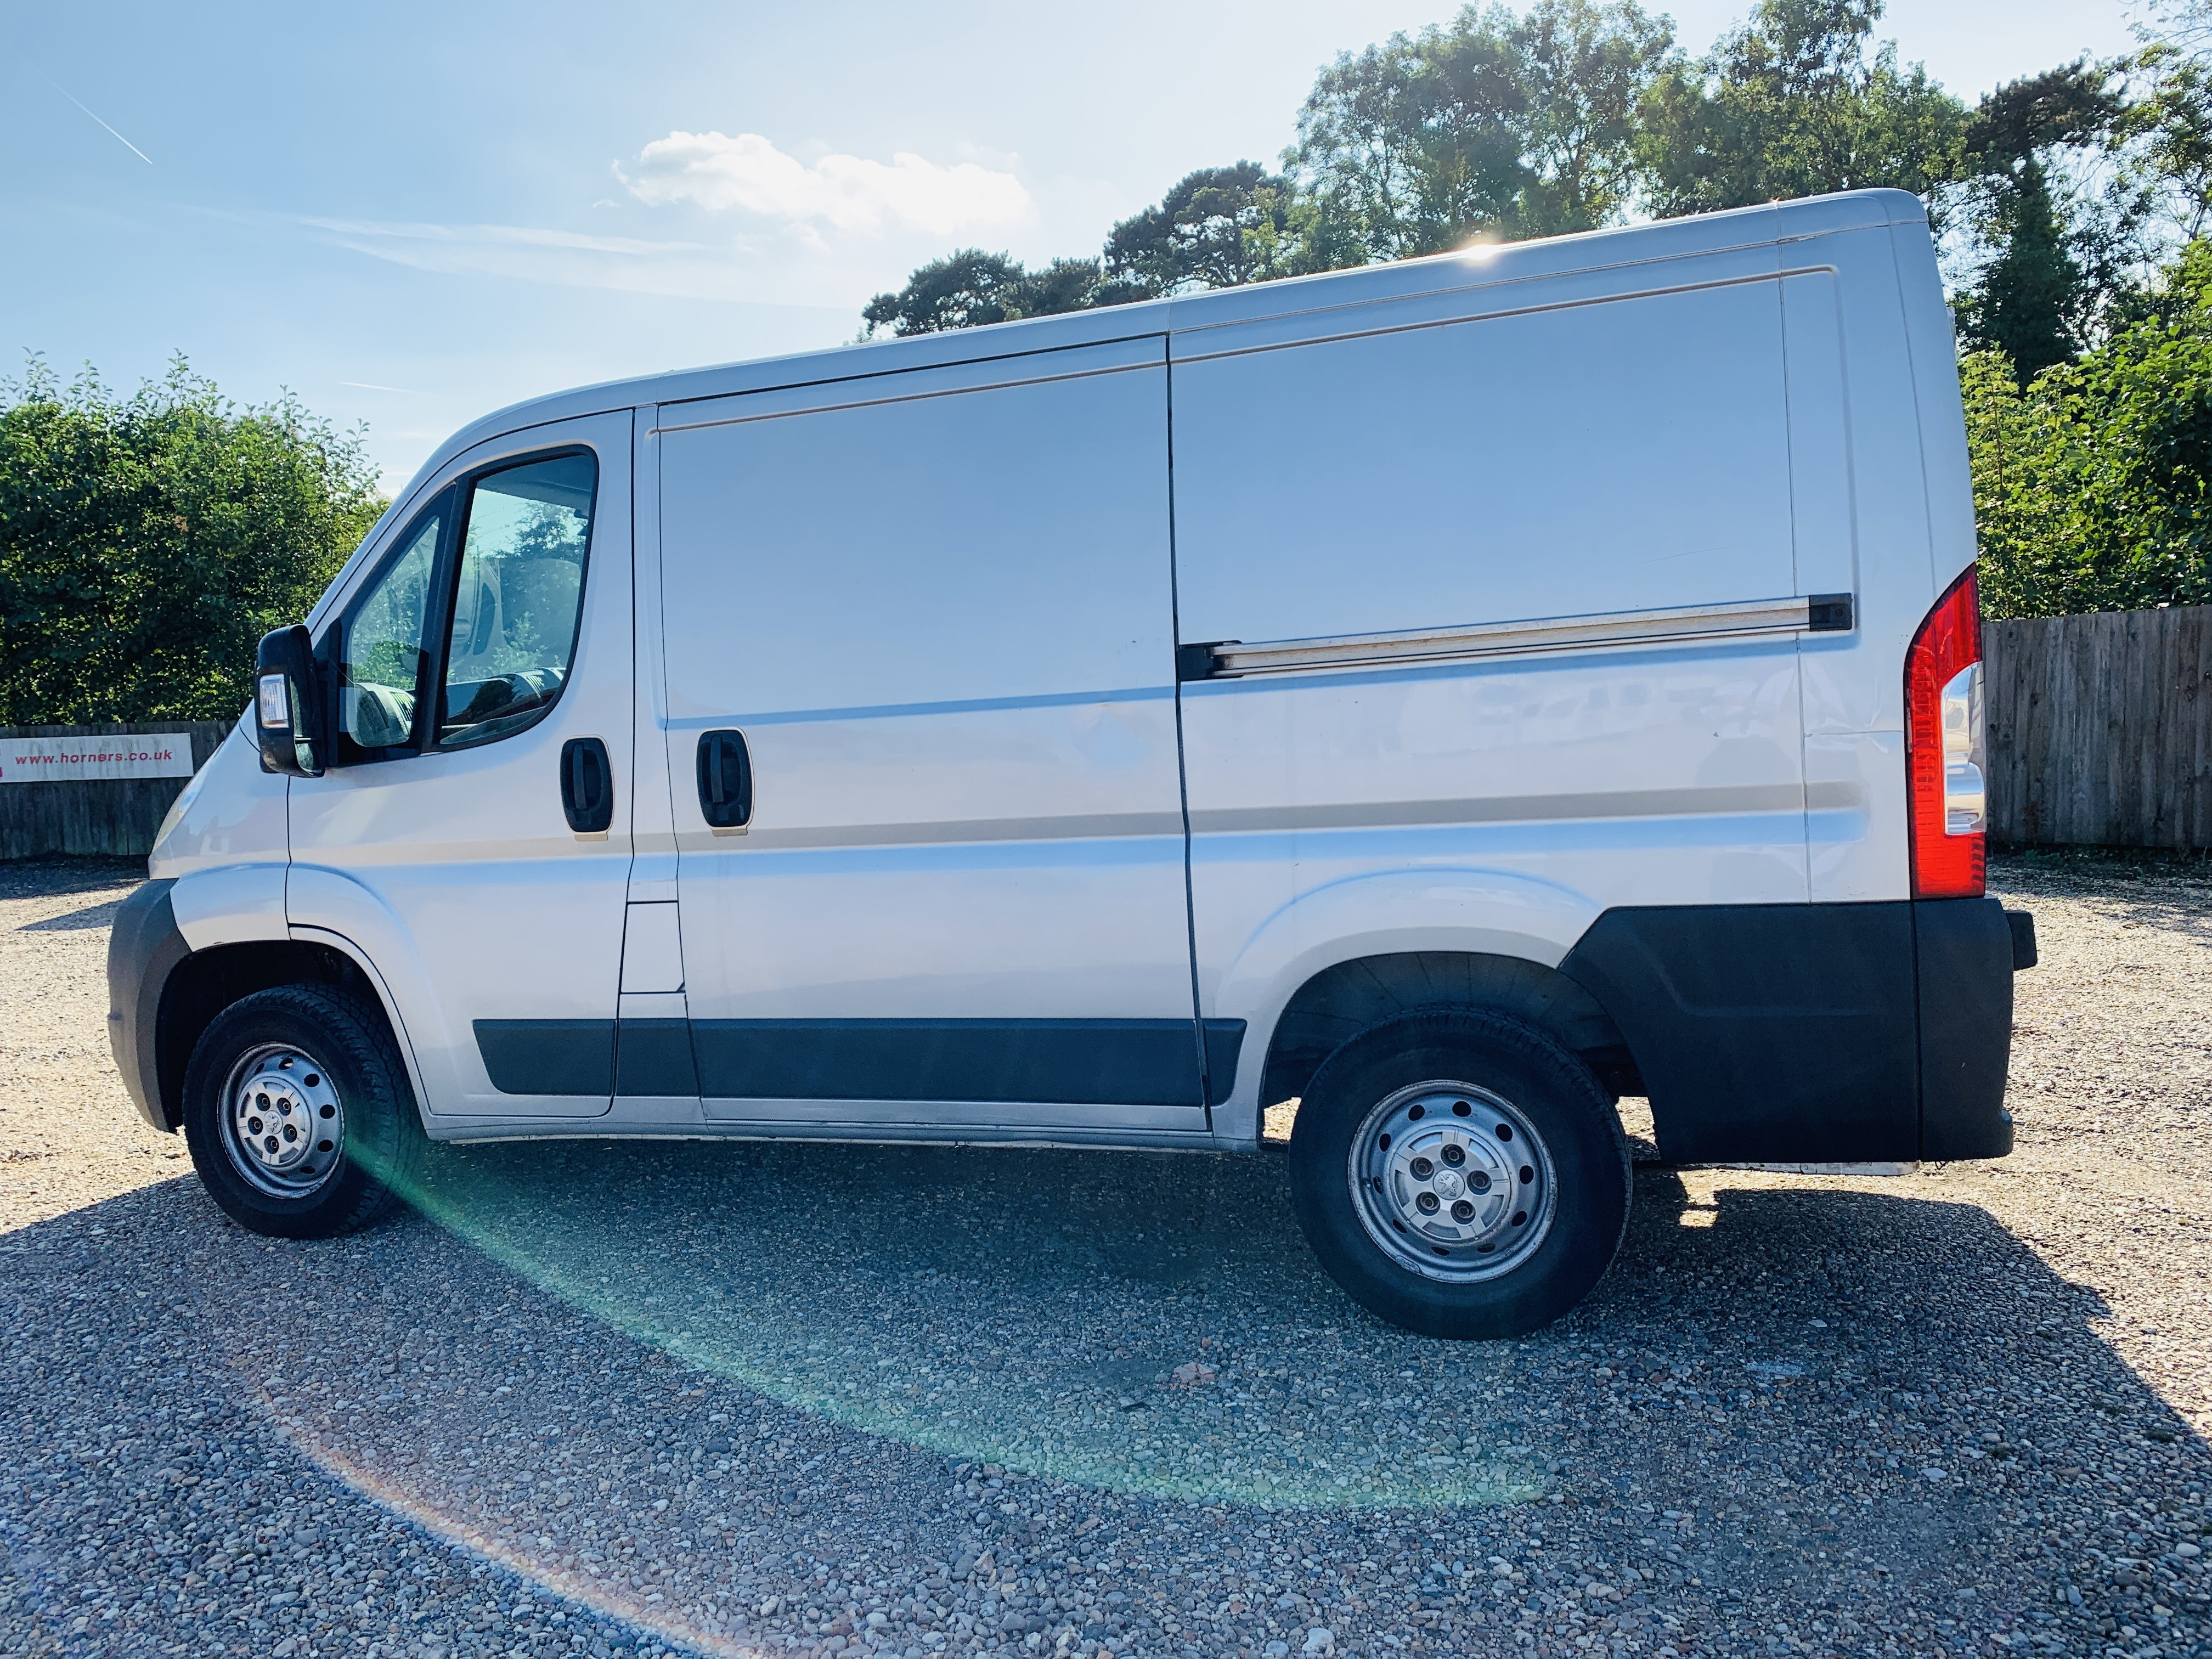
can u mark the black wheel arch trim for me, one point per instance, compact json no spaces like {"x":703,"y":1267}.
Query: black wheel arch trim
{"x":161,"y":995}
{"x":1870,"y":1032}
{"x":144,"y":947}
{"x":1345,"y":999}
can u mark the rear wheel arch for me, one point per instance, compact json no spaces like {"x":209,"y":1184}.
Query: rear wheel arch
{"x":1347,"y":998}
{"x":1460,"y":1173}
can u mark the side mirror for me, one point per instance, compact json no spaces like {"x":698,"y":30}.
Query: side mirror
{"x":288,"y":712}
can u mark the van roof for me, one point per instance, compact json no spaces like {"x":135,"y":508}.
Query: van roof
{"x":1328,"y":291}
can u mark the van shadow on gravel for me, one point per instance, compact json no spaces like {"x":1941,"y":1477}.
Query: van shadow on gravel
{"x":94,"y":915}
{"x":644,"y":1399}
{"x":1033,"y":1308}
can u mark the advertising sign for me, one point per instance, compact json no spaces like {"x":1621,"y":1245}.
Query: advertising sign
{"x":61,"y":760}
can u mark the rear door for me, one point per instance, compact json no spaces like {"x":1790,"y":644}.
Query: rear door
{"x":482,"y":672}
{"x":930,"y":615}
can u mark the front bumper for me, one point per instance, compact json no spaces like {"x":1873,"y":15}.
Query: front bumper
{"x":143,"y":947}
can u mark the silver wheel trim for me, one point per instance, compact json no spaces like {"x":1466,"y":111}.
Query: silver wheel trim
{"x":281,"y":1122}
{"x":1471,"y":1154}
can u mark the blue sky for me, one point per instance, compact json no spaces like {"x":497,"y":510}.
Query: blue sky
{"x":411,"y":213}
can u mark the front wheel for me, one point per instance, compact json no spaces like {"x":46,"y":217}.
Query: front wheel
{"x":299,"y":1115}
{"x":1459,"y":1173}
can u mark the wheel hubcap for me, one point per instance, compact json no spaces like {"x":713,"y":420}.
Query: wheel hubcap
{"x":283,"y":1125}
{"x":1452,"y":1181}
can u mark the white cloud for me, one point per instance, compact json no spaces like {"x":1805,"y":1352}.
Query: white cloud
{"x":713,"y":171}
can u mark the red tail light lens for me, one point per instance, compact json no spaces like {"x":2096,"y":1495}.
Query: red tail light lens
{"x":1945,"y":748}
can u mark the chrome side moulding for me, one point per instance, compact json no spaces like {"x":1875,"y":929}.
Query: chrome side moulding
{"x":1815,"y":613}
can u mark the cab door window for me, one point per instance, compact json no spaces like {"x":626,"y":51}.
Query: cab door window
{"x":382,"y":655}
{"x":516,"y":599}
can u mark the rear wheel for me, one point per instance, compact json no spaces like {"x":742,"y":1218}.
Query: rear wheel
{"x":1459,"y":1173}
{"x":298,"y":1113}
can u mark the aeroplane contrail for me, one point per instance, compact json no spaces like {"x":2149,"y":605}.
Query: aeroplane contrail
{"x":117,"y":136}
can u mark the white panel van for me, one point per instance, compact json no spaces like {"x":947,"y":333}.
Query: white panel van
{"x":1452,"y":695}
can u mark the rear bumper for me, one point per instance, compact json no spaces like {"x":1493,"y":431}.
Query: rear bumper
{"x":1964,"y":961}
{"x":1814,"y":1033}
{"x":142,"y":948}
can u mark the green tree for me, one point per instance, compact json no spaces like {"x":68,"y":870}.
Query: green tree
{"x":969,"y":288}
{"x":1791,"y":105}
{"x":1585,"y":69}
{"x":1216,"y":228}
{"x":2092,"y":483}
{"x":962,"y":290}
{"x":1403,"y":148}
{"x":1493,"y":125}
{"x":2169,"y":129}
{"x":148,"y":542}
{"x":1067,"y":285}
{"x":2040,"y":291}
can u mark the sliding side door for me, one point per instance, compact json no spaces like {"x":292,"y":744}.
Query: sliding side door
{"x":922,"y":625}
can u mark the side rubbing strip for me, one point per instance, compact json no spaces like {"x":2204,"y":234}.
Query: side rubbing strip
{"x":653,"y":1057}
{"x":548,"y":1056}
{"x":1085,"y":1062}
{"x":1101,"y":1063}
{"x":1224,"y":1039}
{"x":1234,"y":659}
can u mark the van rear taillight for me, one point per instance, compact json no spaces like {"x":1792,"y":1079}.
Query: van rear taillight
{"x":1945,"y":747}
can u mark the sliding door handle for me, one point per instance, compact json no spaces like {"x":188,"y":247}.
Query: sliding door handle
{"x":588,"y":785}
{"x":726,"y":779}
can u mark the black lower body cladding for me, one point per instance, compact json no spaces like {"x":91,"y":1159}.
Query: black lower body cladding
{"x":1150,"y":1062}
{"x":1812,"y":1033}
{"x":1965,"y":951}
{"x":142,"y":947}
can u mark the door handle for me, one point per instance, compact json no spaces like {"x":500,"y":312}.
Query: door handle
{"x":588,"y":785}
{"x":726,"y":779}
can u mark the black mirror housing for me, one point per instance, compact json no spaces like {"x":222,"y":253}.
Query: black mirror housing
{"x":287,"y":710}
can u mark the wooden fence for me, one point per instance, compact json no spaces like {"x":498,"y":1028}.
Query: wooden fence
{"x":117,"y":815}
{"x":2100,"y":728}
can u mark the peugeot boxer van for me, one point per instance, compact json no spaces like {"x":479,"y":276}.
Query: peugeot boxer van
{"x":1453,"y":696}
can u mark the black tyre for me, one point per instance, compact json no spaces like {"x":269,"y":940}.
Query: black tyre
{"x":1459,"y":1173}
{"x":299,"y":1114}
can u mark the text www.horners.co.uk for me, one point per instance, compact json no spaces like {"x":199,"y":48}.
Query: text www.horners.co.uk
{"x":94,"y":757}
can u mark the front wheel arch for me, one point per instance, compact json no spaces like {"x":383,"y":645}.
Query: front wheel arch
{"x":205,"y":983}
{"x":295,"y":1055}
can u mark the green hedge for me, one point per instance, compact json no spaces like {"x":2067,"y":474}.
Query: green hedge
{"x":147,"y":541}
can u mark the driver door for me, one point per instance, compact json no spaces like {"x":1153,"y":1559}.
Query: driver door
{"x":471,"y":836}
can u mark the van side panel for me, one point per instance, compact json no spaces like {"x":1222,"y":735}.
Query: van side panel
{"x":938,"y":607}
{"x":1547,"y":462}
{"x":1934,"y":348}
{"x":1854,"y":682}
{"x":230,"y":816}
{"x":1556,"y":461}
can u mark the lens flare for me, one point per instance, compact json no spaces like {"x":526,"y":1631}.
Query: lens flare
{"x":1150,"y":1325}
{"x":554,"y":1573}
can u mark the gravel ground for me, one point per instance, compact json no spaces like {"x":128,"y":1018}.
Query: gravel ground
{"x":601,"y":1398}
